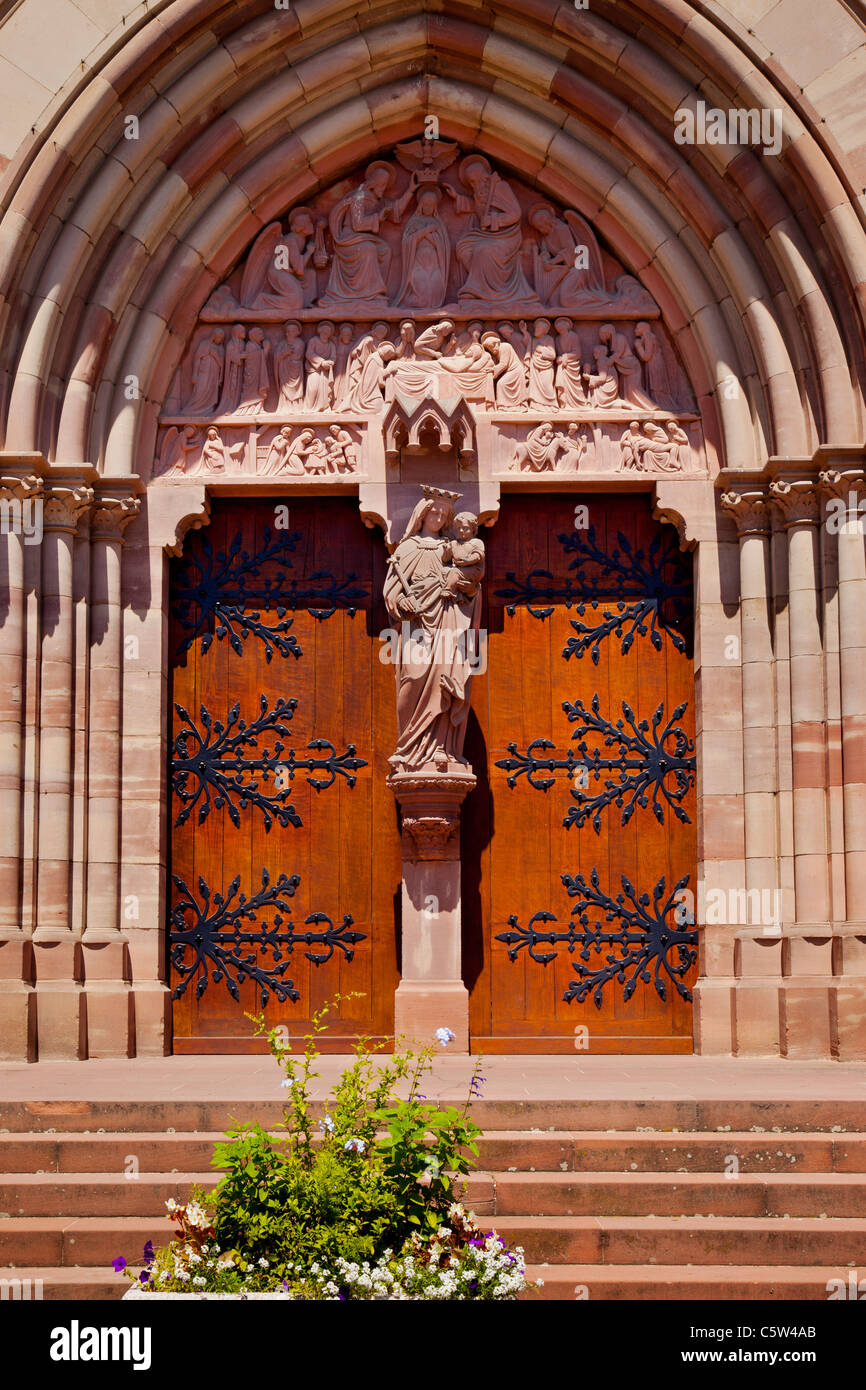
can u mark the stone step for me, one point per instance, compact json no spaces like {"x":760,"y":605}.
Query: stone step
{"x":695,"y":1240}
{"x":80,"y":1284}
{"x":594,"y":1115}
{"x":91,"y":1194}
{"x":838,"y":1243}
{"x":513,"y":1194}
{"x":620,"y":1283}
{"x":505,"y":1150}
{"x":677,"y":1194}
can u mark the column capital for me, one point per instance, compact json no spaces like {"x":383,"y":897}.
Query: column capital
{"x":111,"y":515}
{"x":19,"y":484}
{"x":750,"y":509}
{"x":846,"y":482}
{"x":797,"y":499}
{"x":65,"y":504}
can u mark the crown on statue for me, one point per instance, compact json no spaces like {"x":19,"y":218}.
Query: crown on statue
{"x":441,"y":492}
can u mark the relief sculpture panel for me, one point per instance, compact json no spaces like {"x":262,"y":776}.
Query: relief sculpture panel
{"x":429,"y":277}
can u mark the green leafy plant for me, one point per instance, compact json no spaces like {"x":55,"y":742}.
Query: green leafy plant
{"x":356,"y":1197}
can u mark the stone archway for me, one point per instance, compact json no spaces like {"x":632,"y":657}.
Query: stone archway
{"x":111,"y":261}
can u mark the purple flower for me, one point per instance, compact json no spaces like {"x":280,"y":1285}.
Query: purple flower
{"x":149,"y":1252}
{"x":144,"y":1277}
{"x":119,"y":1265}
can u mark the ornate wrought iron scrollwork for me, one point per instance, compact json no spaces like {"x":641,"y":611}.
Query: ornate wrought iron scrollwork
{"x":211,"y":766}
{"x":649,"y":945}
{"x":651,"y":590}
{"x":224,"y":595}
{"x":209,"y":943}
{"x":654,"y":762}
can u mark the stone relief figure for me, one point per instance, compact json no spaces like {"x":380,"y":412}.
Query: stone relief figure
{"x":277,"y":458}
{"x":207,"y":375}
{"x":177,"y":447}
{"x":341,"y":451}
{"x":234,"y":371}
{"x":631,"y":445}
{"x":542,"y":368}
{"x":278,"y":274}
{"x":653,"y":448}
{"x":567,"y":264}
{"x":255,"y":382}
{"x":658,"y":379}
{"x":469,"y":371}
{"x":357,"y":360}
{"x":343,"y":351}
{"x":627,"y":366}
{"x":362,"y":259}
{"x":406,"y":375}
{"x":509,"y":374}
{"x":570,"y":393}
{"x":434,"y":656}
{"x":216,"y":455}
{"x":490,"y":251}
{"x":539,"y":451}
{"x":603,"y":383}
{"x":320,"y":356}
{"x":289,"y":368}
{"x":369,"y":396}
{"x":426,"y":254}
{"x":434,"y":340}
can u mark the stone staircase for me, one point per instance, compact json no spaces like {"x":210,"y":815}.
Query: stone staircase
{"x":610,"y":1200}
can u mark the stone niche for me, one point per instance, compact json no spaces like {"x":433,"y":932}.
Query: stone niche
{"x":433,"y":282}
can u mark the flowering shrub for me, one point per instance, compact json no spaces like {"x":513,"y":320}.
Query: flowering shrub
{"x":357,"y":1202}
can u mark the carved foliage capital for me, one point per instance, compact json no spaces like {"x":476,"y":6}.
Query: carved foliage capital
{"x":848,"y":484}
{"x":749,"y":509}
{"x":797,"y":500}
{"x":19,"y":487}
{"x":65,"y":503}
{"x":112,"y":515}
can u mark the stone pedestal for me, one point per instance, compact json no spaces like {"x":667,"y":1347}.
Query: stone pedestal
{"x":431,"y":993}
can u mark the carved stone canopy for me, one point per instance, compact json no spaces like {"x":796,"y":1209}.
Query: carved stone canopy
{"x":450,"y":422}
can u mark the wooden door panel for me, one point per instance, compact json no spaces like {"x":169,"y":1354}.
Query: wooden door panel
{"x":600,"y":615}
{"x":275,"y":642}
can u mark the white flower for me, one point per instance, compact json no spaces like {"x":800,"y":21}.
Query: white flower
{"x":263,"y":1263}
{"x":357,"y":1145}
{"x":444,"y":1036}
{"x":326,"y":1123}
{"x":285,"y":1083}
{"x":200,"y":1283}
{"x":171,"y":1205}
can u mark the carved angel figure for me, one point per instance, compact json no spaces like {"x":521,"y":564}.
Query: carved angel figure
{"x":567,"y":263}
{"x":177,"y":448}
{"x":362,"y":259}
{"x":278,"y":274}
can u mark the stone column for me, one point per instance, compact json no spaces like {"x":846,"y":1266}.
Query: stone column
{"x":21,"y":502}
{"x":431,"y":993}
{"x":58,"y":964}
{"x":847,"y":486}
{"x":797,"y":501}
{"x":806,"y":1017}
{"x":751,"y":513}
{"x":106,"y":957}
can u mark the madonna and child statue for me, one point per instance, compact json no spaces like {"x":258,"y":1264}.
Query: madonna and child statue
{"x":433,"y":597}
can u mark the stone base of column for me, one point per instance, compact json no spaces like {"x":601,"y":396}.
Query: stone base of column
{"x":152,"y":1015}
{"x":848,"y":1005}
{"x":60,"y":1012}
{"x":110,"y":1020}
{"x":423,"y":1006}
{"x":17,"y":1000}
{"x":713,"y":1017}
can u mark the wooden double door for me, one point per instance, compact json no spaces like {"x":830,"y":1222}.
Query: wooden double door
{"x":285,"y":871}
